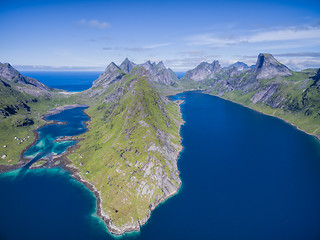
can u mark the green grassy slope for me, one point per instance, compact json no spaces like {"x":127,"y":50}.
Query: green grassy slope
{"x":130,"y":150}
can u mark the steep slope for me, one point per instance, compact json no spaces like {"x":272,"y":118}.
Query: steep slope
{"x":160,"y":74}
{"x":22,"y":83}
{"x":239,"y":66}
{"x":127,"y":65}
{"x":130,"y":151}
{"x":267,"y":67}
{"x":203,"y":71}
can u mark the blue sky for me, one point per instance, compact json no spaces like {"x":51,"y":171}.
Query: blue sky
{"x":91,"y":34}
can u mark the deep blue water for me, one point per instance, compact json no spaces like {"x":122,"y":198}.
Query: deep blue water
{"x":67,"y":80}
{"x":244,"y":176}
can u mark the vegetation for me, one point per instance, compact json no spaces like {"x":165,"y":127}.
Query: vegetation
{"x":296,"y":99}
{"x":124,"y":151}
{"x":16,"y":132}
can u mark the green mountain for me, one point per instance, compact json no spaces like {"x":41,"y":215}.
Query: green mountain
{"x":131,"y":148}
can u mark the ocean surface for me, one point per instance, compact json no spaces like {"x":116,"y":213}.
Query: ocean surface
{"x":73,"y":81}
{"x":245,"y":176}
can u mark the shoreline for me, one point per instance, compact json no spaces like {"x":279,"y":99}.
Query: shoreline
{"x":296,"y":127}
{"x":23,"y":161}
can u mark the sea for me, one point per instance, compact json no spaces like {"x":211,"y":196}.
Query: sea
{"x":73,"y":81}
{"x":245,"y":176}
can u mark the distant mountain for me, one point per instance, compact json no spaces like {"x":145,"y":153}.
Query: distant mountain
{"x":17,"y":91}
{"x":204,"y":71}
{"x":268,"y":67}
{"x":157,"y":71}
{"x":240,"y":66}
{"x":111,"y":74}
{"x":20,"y":82}
{"x":127,"y":65}
{"x":160,"y":73}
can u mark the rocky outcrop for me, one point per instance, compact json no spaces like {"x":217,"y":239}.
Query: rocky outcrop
{"x":204,"y":71}
{"x":127,"y":65}
{"x":160,"y":73}
{"x":267,"y":67}
{"x":112,"y":74}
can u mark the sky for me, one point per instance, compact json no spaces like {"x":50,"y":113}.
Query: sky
{"x":88,"y":35}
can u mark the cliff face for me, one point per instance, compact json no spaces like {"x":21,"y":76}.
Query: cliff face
{"x":204,"y":71}
{"x":267,"y":67}
{"x":132,"y":146}
{"x":160,"y":73}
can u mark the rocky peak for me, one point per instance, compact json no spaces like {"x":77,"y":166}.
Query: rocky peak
{"x":159,"y":73}
{"x":111,"y":74}
{"x":127,"y":65}
{"x":204,"y":71}
{"x":11,"y":74}
{"x":19,"y":82}
{"x":268,"y":67}
{"x":240,"y":66}
{"x":112,"y":67}
{"x":160,"y":65}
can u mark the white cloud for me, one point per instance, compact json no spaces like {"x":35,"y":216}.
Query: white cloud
{"x":287,"y":34}
{"x":94,"y":23}
{"x":156,"y":45}
{"x":300,"y":63}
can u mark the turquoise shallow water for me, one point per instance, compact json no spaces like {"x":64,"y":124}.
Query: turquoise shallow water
{"x":244,"y":176}
{"x":46,"y":146}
